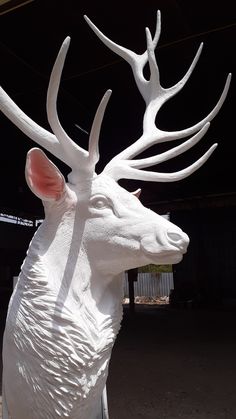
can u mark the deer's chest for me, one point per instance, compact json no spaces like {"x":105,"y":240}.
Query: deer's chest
{"x":60,"y":359}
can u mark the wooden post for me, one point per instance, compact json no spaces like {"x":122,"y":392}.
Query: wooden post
{"x":132,"y":277}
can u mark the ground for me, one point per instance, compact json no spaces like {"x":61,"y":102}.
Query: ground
{"x":174,"y":363}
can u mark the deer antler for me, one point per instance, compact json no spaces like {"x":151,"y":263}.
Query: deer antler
{"x":121,"y":166}
{"x":58,"y":143}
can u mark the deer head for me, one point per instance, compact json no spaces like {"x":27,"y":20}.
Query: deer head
{"x":168,"y":239}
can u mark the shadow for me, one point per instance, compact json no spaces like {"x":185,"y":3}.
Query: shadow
{"x":75,"y":246}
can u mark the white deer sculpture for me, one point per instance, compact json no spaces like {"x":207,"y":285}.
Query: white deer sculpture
{"x":66,"y":309}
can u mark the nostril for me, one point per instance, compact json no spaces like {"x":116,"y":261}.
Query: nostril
{"x":178,"y":239}
{"x":175,"y":237}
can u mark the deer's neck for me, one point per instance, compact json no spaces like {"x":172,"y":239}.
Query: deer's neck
{"x":57,"y":259}
{"x":59,"y":270}
{"x":73,"y":310}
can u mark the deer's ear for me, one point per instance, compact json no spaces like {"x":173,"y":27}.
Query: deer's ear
{"x":43,"y":177}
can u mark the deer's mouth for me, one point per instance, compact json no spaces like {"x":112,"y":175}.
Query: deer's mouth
{"x":163,"y":258}
{"x":158,"y":253}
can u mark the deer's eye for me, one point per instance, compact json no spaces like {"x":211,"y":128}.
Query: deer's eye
{"x":100,"y":202}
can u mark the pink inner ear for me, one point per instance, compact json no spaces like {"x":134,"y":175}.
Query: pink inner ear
{"x":43,"y":177}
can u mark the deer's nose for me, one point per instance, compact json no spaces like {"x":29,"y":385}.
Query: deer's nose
{"x":178,"y":239}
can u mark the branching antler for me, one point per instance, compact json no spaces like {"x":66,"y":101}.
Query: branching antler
{"x":121,"y":166}
{"x":59,"y":143}
{"x":82,"y":161}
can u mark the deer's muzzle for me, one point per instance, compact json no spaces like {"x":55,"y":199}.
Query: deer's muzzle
{"x":178,"y":239}
{"x":169,"y":244}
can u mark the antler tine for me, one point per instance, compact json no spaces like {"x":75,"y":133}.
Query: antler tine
{"x":34,"y":131}
{"x":136,"y":61}
{"x":93,"y":153}
{"x":124,"y":171}
{"x":159,"y":136}
{"x":75,"y":154}
{"x":157,"y":95}
{"x":127,"y":166}
{"x":59,"y":143}
{"x":170,"y":154}
{"x":95,"y":130}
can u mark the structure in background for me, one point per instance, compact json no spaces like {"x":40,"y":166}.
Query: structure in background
{"x":153,"y":285}
{"x":149,"y":284}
